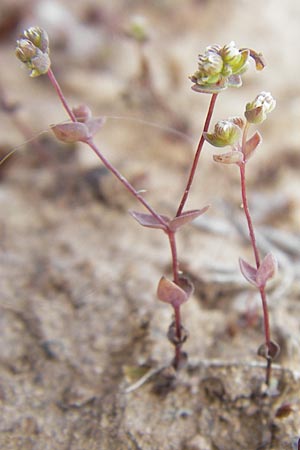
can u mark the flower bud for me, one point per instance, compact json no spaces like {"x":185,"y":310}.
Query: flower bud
{"x":38,"y":37}
{"x":33,"y":50}
{"x":25,"y":50}
{"x":221,"y":67}
{"x":263,"y":104}
{"x":235,"y":60}
{"x":226,"y":132}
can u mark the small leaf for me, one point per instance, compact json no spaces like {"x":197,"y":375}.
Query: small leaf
{"x":186,"y":217}
{"x":71,"y":131}
{"x":267,"y":270}
{"x":269,"y":352}
{"x":169,"y":292}
{"x":147,"y":220}
{"x":248,"y":271}
{"x":95,"y":124}
{"x":233,"y":157}
{"x":209,"y":88}
{"x":251,"y":145}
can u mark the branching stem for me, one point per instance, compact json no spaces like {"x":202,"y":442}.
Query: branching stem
{"x":171,"y":234}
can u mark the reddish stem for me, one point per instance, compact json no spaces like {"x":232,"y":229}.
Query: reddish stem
{"x":125,"y":183}
{"x":107,"y":164}
{"x":178,"y":326}
{"x":247,"y":214}
{"x":132,"y":190}
{"x":197,"y":155}
{"x":175,"y":264}
{"x":242,"y":167}
{"x":60,"y":94}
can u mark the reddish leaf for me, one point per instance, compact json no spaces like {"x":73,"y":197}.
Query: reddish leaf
{"x":186,"y":217}
{"x":267,"y":270}
{"x":248,"y":271}
{"x":251,"y":145}
{"x":233,"y":157}
{"x":169,"y":292}
{"x":71,"y":131}
{"x":147,"y":220}
{"x":95,"y":124}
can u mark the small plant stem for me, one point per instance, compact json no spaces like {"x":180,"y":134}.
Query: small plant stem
{"x":247,"y":214}
{"x":177,"y":320}
{"x":177,"y":356}
{"x":242,"y":167}
{"x":171,"y":234}
{"x":175,"y":264}
{"x":106,"y":163}
{"x":125,"y":182}
{"x":197,"y":155}
{"x":60,"y":94}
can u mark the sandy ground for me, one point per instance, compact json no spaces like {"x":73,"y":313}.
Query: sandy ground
{"x":80,"y":322}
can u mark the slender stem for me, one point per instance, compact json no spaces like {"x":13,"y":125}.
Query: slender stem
{"x":197,"y":155}
{"x":107,"y":164}
{"x":177,"y":321}
{"x":257,"y":261}
{"x":60,"y":94}
{"x":178,"y":346}
{"x":266,"y":315}
{"x":132,"y":190}
{"x":177,"y":311}
{"x":125,"y":182}
{"x":247,"y":214}
{"x":175,"y":264}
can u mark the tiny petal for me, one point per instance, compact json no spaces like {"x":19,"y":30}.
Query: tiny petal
{"x":38,"y":37}
{"x":25,"y":50}
{"x":237,"y":121}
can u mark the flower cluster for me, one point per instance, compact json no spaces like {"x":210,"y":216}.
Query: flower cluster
{"x":263,"y":104}
{"x":220,"y":67}
{"x":33,"y":50}
{"x":226,"y":132}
